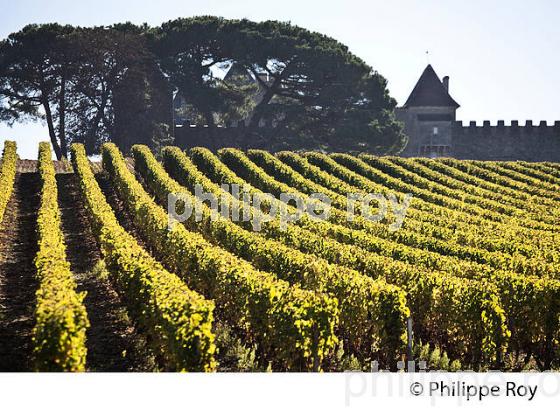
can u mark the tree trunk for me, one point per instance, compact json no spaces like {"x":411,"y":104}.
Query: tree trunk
{"x":259,"y":109}
{"x":52,"y":133}
{"x":62,"y":118}
{"x":270,"y":92}
{"x":91,"y":139}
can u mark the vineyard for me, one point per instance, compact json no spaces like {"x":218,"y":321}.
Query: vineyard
{"x":94,"y":275}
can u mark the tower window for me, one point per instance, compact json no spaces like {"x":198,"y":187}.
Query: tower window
{"x":436,"y":130}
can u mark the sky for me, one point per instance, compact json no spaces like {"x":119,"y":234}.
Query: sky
{"x":502,"y":57}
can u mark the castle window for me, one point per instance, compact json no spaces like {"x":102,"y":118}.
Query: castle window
{"x":435,"y":130}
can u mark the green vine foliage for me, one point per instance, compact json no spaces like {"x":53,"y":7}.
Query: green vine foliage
{"x":373,"y":312}
{"x":475,"y":263}
{"x":59,"y":335}
{"x":480,"y":340}
{"x":7,"y":175}
{"x":178,"y":319}
{"x":293,"y":327}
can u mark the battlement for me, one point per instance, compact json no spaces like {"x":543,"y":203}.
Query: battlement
{"x":236,"y":135}
{"x":502,"y":124}
{"x":234,"y":124}
{"x":530,"y":141}
{"x":486,"y":129}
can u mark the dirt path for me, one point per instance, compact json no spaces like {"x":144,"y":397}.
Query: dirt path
{"x":31,"y":165}
{"x":18,"y":247}
{"x":112,"y":341}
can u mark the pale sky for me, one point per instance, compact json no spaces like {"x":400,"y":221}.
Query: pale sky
{"x":503,"y":57}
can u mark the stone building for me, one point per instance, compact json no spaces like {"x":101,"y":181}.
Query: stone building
{"x":429,"y":119}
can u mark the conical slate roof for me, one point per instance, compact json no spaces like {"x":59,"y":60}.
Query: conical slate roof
{"x":430,"y":92}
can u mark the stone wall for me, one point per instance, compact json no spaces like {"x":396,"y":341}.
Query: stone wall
{"x":241,"y":137}
{"x":528,"y":142}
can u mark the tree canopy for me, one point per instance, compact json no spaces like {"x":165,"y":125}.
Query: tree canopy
{"x":117,"y":83}
{"x":33,"y":70}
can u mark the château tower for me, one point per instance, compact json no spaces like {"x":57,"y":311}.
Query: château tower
{"x":428,"y":117}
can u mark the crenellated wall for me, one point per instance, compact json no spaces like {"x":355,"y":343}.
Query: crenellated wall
{"x":239,"y":136}
{"x":528,"y":142}
{"x":486,"y":141}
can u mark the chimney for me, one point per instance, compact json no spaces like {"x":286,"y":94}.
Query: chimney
{"x":445,"y":82}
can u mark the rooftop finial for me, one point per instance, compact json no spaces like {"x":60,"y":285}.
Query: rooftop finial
{"x":427,"y":57}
